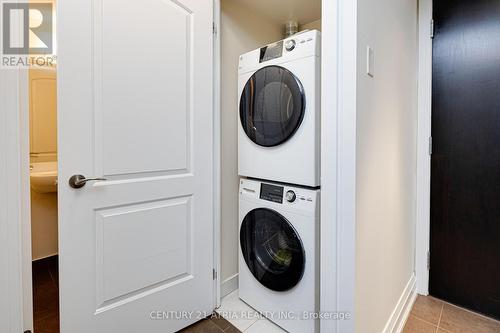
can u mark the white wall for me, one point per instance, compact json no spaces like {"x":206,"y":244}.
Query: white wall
{"x":386,"y":159}
{"x":314,"y":25}
{"x":43,"y":114}
{"x":242,"y":29}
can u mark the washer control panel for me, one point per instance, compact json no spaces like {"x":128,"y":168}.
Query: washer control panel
{"x":271,"y":192}
{"x":289,"y":197}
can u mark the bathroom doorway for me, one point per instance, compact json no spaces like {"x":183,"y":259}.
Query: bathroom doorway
{"x":42,"y":94}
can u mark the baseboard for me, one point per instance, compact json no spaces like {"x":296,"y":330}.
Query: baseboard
{"x":229,"y":285}
{"x":398,"y":317}
{"x":45,"y":257}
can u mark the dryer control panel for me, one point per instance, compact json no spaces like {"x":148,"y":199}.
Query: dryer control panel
{"x":271,"y":51}
{"x":301,"y":45}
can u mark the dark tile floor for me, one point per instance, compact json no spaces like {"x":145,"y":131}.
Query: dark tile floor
{"x":46,"y":295}
{"x":46,"y":303}
{"x":213,"y":324}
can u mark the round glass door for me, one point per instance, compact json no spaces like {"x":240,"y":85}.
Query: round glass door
{"x":272,"y":106}
{"x":272,"y":249}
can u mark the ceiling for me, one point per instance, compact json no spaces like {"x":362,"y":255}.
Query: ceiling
{"x":303,"y":11}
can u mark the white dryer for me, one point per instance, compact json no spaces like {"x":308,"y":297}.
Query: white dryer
{"x":279,"y":111}
{"x":278,"y":257}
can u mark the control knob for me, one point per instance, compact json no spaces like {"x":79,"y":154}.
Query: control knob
{"x":290,"y":45}
{"x":290,"y":196}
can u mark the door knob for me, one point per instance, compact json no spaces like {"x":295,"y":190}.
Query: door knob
{"x":79,"y":181}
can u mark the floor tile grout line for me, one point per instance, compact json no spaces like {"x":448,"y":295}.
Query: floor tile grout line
{"x":444,"y":330}
{"x":52,"y":277}
{"x":214,"y":324}
{"x":425,"y":321}
{"x":251,"y":325}
{"x":220,"y":328}
{"x":440,"y":316}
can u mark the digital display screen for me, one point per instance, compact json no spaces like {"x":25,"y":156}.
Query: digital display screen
{"x":271,"y":193}
{"x":272,"y":51}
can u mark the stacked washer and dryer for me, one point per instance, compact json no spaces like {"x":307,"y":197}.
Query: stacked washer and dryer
{"x":279,"y":162}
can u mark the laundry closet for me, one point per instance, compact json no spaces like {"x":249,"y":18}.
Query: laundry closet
{"x":270,"y":155}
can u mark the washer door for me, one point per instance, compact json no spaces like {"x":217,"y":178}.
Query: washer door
{"x":272,"y":249}
{"x":272,"y":106}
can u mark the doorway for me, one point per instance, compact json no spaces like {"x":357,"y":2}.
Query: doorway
{"x":42,"y":105}
{"x":465,"y":163}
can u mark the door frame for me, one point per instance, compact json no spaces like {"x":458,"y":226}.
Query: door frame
{"x":424,"y":142}
{"x":12,"y":204}
{"x":217,"y":126}
{"x":16,"y":309}
{"x":338,"y":165}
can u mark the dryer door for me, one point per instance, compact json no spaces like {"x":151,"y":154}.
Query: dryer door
{"x":272,"y":106}
{"x":272,"y":249}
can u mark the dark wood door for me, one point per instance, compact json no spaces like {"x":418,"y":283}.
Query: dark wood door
{"x":465,"y":190}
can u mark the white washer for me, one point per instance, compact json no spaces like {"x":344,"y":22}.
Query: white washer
{"x":279,"y":111}
{"x":278,"y":256}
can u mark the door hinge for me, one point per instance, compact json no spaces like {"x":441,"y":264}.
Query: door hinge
{"x":430,"y":145}
{"x":432,"y":29}
{"x":214,"y":272}
{"x":214,"y":28}
{"x":428,"y":260}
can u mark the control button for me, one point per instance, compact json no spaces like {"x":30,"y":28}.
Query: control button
{"x":290,"y":45}
{"x":290,"y":196}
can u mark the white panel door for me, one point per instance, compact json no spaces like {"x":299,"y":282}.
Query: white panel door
{"x":135,"y":108}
